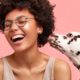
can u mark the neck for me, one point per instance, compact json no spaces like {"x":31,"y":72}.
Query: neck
{"x":29,"y":58}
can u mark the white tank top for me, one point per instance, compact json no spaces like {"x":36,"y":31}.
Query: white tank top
{"x":48,"y":75}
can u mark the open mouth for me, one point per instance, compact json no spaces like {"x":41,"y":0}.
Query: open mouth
{"x":17,"y":38}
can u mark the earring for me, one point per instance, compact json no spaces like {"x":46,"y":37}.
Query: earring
{"x":40,"y":32}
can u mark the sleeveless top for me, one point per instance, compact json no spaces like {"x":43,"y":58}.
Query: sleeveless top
{"x":48,"y":75}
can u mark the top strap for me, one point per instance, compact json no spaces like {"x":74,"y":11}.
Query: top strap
{"x":8,"y":74}
{"x":48,"y":75}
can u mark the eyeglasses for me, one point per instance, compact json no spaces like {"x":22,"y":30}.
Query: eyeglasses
{"x":19,"y":21}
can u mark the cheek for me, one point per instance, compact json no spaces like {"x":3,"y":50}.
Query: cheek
{"x":7,"y":36}
{"x":31,"y":33}
{"x":31,"y":28}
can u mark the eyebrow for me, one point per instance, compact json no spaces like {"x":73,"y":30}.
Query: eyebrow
{"x":8,"y":20}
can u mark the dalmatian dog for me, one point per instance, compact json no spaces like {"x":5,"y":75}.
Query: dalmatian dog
{"x":69,"y":45}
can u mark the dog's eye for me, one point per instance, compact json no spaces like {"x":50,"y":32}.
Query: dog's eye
{"x":69,"y":35}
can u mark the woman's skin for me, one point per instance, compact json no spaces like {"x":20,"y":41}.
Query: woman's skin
{"x":28,"y":63}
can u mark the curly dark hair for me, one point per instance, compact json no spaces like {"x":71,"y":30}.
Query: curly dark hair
{"x":41,"y":9}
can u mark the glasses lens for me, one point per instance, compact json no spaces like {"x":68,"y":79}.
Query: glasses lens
{"x":21,"y":21}
{"x":7,"y":25}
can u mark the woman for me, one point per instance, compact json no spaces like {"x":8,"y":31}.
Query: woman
{"x":27,"y":25}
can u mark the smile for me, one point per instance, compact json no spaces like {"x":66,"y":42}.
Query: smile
{"x":17,"y":38}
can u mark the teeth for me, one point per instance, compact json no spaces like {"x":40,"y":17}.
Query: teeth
{"x":17,"y":37}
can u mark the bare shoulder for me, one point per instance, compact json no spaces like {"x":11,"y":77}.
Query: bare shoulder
{"x":1,"y":69}
{"x":62,"y":70}
{"x":61,"y":64}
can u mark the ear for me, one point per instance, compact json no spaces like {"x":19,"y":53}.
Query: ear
{"x":40,"y":30}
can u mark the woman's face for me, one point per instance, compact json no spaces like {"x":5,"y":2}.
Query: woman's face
{"x":21,"y":30}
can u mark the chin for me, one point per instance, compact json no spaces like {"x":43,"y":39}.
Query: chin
{"x":21,"y":49}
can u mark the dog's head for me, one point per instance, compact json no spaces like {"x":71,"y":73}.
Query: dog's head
{"x":68,"y":44}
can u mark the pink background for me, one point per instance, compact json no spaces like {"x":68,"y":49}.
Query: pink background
{"x":67,"y":15}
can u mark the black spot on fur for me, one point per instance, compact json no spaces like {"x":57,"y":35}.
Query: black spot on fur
{"x":71,"y":51}
{"x":78,"y":53}
{"x":74,"y":39}
{"x":64,"y":37}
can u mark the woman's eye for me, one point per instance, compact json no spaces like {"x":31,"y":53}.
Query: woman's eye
{"x":7,"y":25}
{"x":21,"y":22}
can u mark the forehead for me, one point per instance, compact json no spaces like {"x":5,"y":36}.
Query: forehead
{"x":16,"y":13}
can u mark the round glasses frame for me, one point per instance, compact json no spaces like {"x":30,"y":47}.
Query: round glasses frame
{"x":19,"y":21}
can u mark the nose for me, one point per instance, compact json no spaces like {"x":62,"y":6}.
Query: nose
{"x":14,"y":27}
